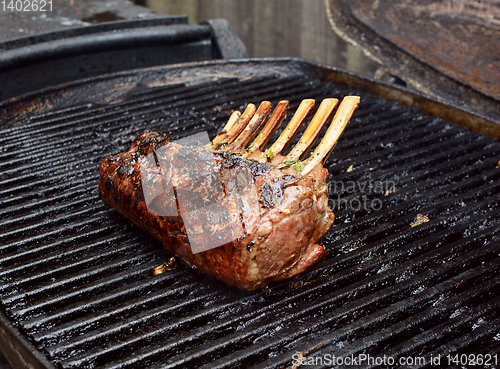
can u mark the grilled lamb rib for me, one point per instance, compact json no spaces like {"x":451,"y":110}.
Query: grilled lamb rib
{"x":243,"y":216}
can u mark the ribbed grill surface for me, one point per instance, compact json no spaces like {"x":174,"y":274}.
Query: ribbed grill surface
{"x":76,"y":278}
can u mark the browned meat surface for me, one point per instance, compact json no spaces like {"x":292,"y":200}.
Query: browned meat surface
{"x":267,"y":220}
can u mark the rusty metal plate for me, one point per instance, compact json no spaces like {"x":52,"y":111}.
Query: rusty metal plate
{"x":449,"y":50}
{"x":461,"y":40}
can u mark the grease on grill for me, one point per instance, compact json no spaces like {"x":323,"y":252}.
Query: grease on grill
{"x":420,"y":219}
{"x":171,"y":264}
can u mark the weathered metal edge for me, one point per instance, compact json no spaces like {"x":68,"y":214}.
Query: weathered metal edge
{"x":18,"y":350}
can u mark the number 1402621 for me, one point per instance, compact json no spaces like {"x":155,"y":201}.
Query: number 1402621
{"x":26,"y":5}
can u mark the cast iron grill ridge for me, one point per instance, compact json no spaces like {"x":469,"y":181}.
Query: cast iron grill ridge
{"x":76,"y":278}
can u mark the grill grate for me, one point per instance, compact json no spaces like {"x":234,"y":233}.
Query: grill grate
{"x":76,"y":280}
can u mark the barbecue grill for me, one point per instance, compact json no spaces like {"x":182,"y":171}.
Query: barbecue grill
{"x":413,"y":256}
{"x":77,"y":288}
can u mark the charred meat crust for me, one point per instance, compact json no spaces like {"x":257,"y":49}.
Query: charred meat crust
{"x":290,"y":214}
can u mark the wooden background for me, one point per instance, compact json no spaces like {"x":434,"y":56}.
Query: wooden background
{"x":297,"y":28}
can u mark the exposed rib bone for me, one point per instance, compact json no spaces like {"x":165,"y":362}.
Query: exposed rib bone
{"x":270,"y":128}
{"x":242,"y":128}
{"x":307,"y":140}
{"x":251,"y":128}
{"x":227,"y":128}
{"x":236,"y":128}
{"x":339,"y":122}
{"x":304,"y":109}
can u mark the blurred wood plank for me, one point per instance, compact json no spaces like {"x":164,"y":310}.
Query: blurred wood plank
{"x":175,"y":7}
{"x":277,"y":27}
{"x":318,"y":40}
{"x":295,"y":28}
{"x":239,"y":13}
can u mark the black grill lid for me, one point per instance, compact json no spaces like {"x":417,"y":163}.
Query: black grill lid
{"x":76,"y":278}
{"x":84,"y":38}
